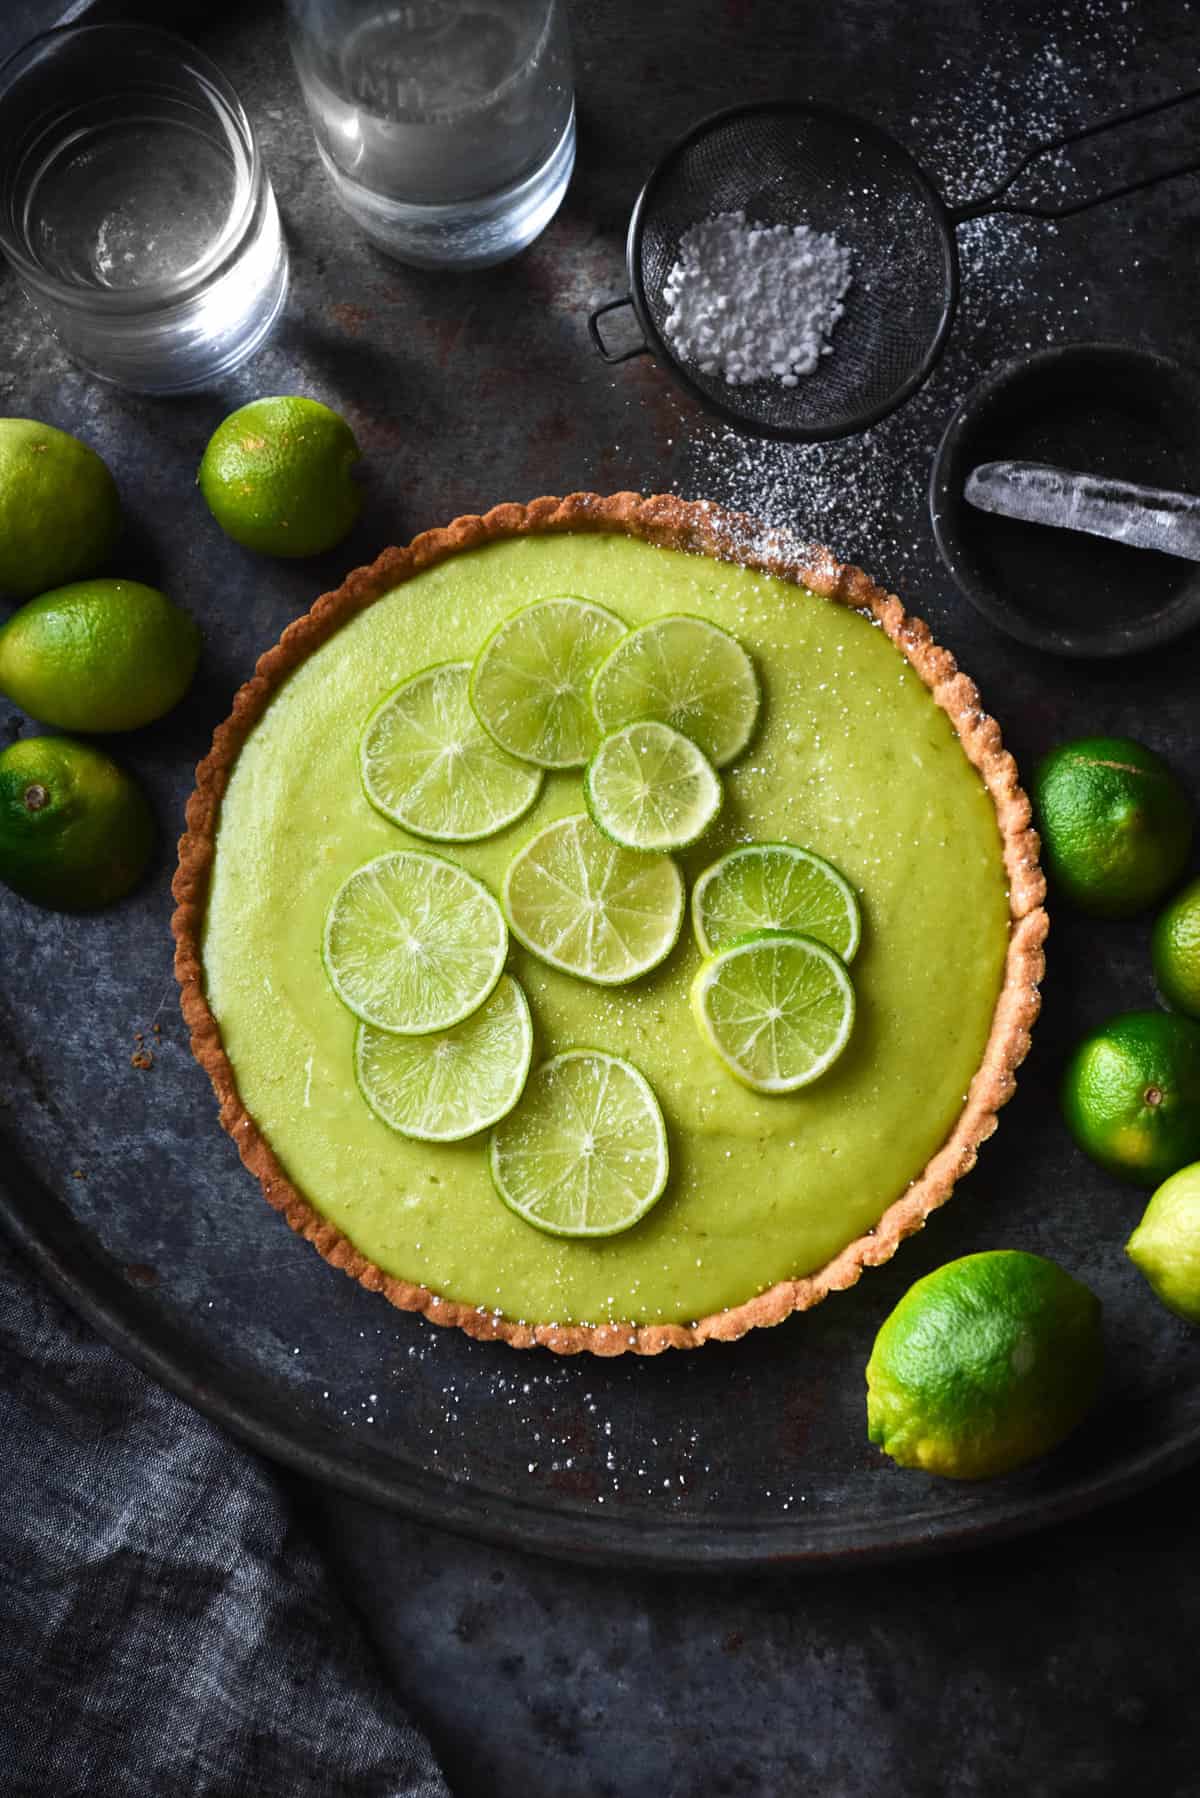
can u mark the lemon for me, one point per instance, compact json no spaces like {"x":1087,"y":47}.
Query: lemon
{"x":1165,"y":1247}
{"x":59,"y":511}
{"x":1116,"y":824}
{"x":1131,"y":1095}
{"x":75,"y":830}
{"x":276,"y":476}
{"x":98,"y":655}
{"x":1175,"y":950}
{"x":984,"y":1365}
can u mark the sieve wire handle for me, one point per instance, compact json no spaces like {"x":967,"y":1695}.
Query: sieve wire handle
{"x":995,"y":201}
{"x":639,"y":349}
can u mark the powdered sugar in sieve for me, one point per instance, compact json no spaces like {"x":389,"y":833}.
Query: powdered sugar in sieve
{"x":750,"y":302}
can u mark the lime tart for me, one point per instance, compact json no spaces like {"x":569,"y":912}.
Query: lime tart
{"x":608,"y":924}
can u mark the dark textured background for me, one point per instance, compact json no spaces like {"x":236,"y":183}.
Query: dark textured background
{"x":1061,"y":1664}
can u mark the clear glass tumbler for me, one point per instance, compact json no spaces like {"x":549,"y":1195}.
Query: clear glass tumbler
{"x":134,"y":206}
{"x":446,"y":126}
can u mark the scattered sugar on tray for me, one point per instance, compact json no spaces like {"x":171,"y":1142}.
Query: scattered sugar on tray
{"x":753,"y":301}
{"x":860,"y":496}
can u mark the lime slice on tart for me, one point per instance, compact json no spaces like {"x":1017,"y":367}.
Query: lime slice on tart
{"x":429,"y":766}
{"x":649,"y":787}
{"x":585,"y":1152}
{"x":685,"y":672}
{"x":531,"y":683}
{"x":775,"y":886}
{"x":413,"y":943}
{"x":591,"y":908}
{"x":778,"y":1010}
{"x":449,"y":1083}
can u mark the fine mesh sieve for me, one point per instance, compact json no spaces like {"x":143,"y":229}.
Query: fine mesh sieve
{"x":782,"y":162}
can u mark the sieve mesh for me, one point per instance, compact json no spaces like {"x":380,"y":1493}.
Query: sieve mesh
{"x":782,"y":163}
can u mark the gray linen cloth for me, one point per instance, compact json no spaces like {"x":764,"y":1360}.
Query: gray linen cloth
{"x":166,"y":1627}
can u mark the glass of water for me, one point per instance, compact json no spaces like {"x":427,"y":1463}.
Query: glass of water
{"x":446,"y":126}
{"x":134,"y":206}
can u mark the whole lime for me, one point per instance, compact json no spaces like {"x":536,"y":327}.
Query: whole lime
{"x":75,"y":830}
{"x":1116,"y":825}
{"x":276,"y":475}
{"x":59,"y":511}
{"x":1165,"y":1247}
{"x":1131,"y":1095}
{"x":1175,"y":950}
{"x":98,"y":656}
{"x":984,"y":1364}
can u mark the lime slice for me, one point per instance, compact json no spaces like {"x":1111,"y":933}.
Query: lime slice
{"x":428,"y":765}
{"x":778,"y":1010}
{"x":532,"y":679}
{"x":686,"y":672}
{"x":775,"y":886}
{"x":591,"y":908}
{"x":413,"y":943}
{"x":585,"y":1152}
{"x":450,"y":1083}
{"x":649,"y":787}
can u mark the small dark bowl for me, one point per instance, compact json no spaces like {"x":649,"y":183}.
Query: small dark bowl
{"x":1107,"y":408}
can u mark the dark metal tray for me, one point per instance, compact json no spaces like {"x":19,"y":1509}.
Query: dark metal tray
{"x":120,"y":1184}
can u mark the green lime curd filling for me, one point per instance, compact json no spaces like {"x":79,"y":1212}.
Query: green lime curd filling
{"x":852,"y":758}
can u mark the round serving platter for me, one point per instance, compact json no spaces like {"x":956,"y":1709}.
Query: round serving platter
{"x":117,"y":1181}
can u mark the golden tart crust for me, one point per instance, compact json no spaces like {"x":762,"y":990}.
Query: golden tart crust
{"x":700,"y":528}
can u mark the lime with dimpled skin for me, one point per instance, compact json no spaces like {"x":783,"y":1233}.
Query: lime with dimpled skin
{"x":104,"y":655}
{"x":76,"y":832}
{"x":276,"y":476}
{"x":60,"y":516}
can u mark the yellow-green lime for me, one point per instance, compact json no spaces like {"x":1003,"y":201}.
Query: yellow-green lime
{"x":1165,"y":1247}
{"x":985,"y":1364}
{"x":775,"y":886}
{"x":451,"y":1083}
{"x":685,"y":672}
{"x":532,"y":678}
{"x":277,"y":476}
{"x":413,"y":943}
{"x":589,"y":907}
{"x":1131,"y":1095}
{"x":585,"y":1152}
{"x":59,"y":512}
{"x":777,"y":1008}
{"x":1116,"y":824}
{"x":428,"y":764}
{"x":102,"y":655}
{"x":76,"y":832}
{"x":1175,"y":950}
{"x":650,"y":787}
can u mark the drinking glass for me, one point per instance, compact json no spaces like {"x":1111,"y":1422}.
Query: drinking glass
{"x":446,"y":126}
{"x":134,"y":206}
